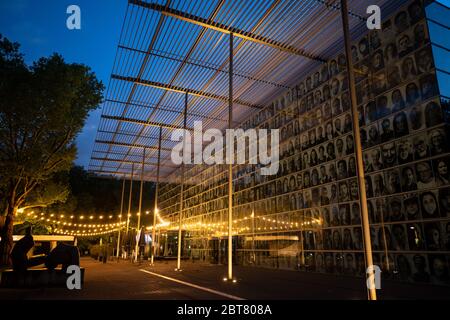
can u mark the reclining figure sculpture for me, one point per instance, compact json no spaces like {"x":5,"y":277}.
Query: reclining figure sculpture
{"x":19,"y":258}
{"x":63,"y":254}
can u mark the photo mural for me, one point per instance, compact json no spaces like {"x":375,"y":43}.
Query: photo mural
{"x":307,"y":217}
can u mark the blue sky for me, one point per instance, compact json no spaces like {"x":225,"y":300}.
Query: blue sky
{"x":40,"y":27}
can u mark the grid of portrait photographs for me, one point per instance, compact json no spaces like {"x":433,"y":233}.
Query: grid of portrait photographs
{"x":308,"y":215}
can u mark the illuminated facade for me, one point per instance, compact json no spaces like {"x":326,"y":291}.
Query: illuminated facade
{"x":307,"y":217}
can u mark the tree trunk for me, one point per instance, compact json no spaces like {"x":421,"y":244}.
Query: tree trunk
{"x":6,"y":233}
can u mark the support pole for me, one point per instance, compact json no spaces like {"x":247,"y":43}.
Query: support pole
{"x":120,"y":219}
{"x":230,"y":165}
{"x":372,"y":295}
{"x":182,"y":185}
{"x":253,"y":260}
{"x":155,"y":211}
{"x":302,"y":246}
{"x":136,"y":250}
{"x":129,"y":202}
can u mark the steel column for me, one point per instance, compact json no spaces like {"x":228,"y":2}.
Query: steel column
{"x":180,"y":218}
{"x":155,"y":211}
{"x":230,"y":165}
{"x":140,"y":206}
{"x":372,"y":295}
{"x":120,"y":218}
{"x":129,"y":201}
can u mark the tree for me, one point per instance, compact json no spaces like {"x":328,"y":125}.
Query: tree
{"x":42,"y":108}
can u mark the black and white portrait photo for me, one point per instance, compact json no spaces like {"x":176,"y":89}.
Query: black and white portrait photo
{"x":412,"y":206}
{"x":424,"y":174}
{"x":428,"y":86}
{"x":416,"y":118}
{"x":386,"y":130}
{"x":400,"y":124}
{"x":444,"y":202}
{"x":408,"y":179}
{"x":392,"y":179}
{"x":398,"y":102}
{"x":433,"y":237}
{"x":404,"y":45}
{"x":441,"y":171}
{"x":405,"y":152}
{"x":390,"y":53}
{"x":415,"y":11}
{"x":393,"y":76}
{"x":389,"y":154}
{"x":412,"y":94}
{"x":421,"y":149}
{"x":424,"y":60}
{"x":409,"y":70}
{"x":433,"y":114}
{"x":401,"y":21}
{"x":437,"y":139}
{"x":429,"y":204}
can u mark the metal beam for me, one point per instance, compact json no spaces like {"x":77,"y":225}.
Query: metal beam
{"x":177,"y":89}
{"x":119,"y":153}
{"x":143,"y":122}
{"x":129,"y":134}
{"x":226,"y":29}
{"x":95,"y":168}
{"x":118,"y":173}
{"x":155,"y":107}
{"x":130,"y":162}
{"x":204,"y":66}
{"x":143,"y":66}
{"x":121,"y":144}
{"x":181,"y":66}
{"x":336,"y":7}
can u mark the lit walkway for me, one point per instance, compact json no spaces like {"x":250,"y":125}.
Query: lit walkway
{"x":260,"y":283}
{"x":124,"y":280}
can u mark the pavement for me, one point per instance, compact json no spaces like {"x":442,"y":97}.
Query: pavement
{"x":198,"y":281}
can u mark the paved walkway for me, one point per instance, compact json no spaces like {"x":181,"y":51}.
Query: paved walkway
{"x":123,"y":280}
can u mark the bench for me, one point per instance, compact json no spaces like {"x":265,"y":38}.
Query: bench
{"x":35,"y":277}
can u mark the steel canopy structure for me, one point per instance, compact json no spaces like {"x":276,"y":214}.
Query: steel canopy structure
{"x":216,"y":62}
{"x":169,"y":49}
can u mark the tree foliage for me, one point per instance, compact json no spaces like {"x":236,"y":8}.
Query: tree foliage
{"x":42,"y":108}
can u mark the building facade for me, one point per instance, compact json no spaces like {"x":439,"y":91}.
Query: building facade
{"x":307,"y":217}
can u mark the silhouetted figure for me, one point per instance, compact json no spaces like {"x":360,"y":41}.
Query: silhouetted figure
{"x":19,"y":257}
{"x":63,"y":254}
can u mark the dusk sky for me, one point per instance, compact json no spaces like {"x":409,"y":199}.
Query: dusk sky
{"x":40,"y":28}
